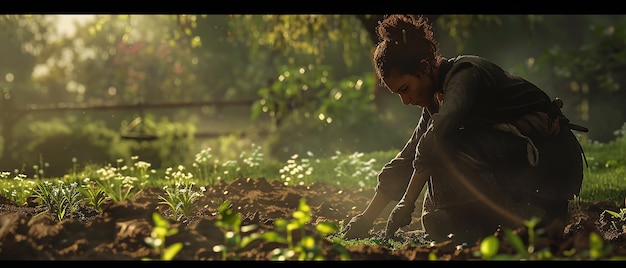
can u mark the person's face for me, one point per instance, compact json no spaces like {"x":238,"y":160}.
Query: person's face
{"x":415,"y":89}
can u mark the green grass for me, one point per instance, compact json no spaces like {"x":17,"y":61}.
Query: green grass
{"x":605,"y":177}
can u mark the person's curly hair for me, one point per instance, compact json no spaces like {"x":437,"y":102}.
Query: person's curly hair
{"x":404,"y":41}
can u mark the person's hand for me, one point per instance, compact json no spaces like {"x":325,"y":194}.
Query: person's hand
{"x":400,"y":216}
{"x":357,"y":228}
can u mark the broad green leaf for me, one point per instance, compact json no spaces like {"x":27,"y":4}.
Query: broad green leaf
{"x":489,"y":246}
{"x":516,"y":242}
{"x":171,"y":251}
{"x":326,"y":228}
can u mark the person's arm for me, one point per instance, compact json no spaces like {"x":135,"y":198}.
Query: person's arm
{"x":418,"y":180}
{"x":401,"y":214}
{"x":392,"y":180}
{"x":459,"y":96}
{"x":402,"y":163}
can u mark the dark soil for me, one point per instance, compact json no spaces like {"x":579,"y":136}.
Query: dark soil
{"x":118,"y":232}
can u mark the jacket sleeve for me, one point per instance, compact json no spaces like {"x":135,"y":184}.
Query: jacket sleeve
{"x":407,"y":154}
{"x":396,"y":174}
{"x":459,"y":95}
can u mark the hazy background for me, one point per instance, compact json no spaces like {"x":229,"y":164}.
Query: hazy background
{"x":90,"y":89}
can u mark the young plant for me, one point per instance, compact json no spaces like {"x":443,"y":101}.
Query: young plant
{"x":117,"y":186}
{"x":181,"y":197}
{"x":309,"y":247}
{"x":18,"y":189}
{"x":354,"y":166}
{"x":94,"y":195}
{"x":230,"y":170}
{"x":297,"y":171}
{"x":230,"y":224}
{"x":206,"y":167}
{"x":621,"y":215}
{"x":212,"y":170}
{"x":253,"y":161}
{"x":59,"y":200}
{"x":156,"y":240}
{"x":141,"y":170}
{"x":490,"y":246}
{"x":616,"y":224}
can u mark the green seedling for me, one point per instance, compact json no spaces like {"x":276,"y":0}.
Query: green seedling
{"x":230,"y":223}
{"x":490,"y":246}
{"x":117,"y":186}
{"x":94,"y":195}
{"x":618,"y":224}
{"x":206,"y":166}
{"x":621,"y":215}
{"x":59,"y":200}
{"x":156,"y":240}
{"x":309,"y":247}
{"x":181,"y":198}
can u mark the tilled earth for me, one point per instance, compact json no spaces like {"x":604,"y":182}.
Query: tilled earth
{"x":119,"y":231}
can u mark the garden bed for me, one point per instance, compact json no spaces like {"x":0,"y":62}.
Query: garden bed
{"x":118,"y":232}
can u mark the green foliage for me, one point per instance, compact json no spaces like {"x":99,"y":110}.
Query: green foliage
{"x":490,"y":247}
{"x":206,"y":167}
{"x":95,"y":195}
{"x":211,"y":169}
{"x":297,"y":171}
{"x":230,"y":224}
{"x":307,"y":97}
{"x":617,"y":222}
{"x":180,"y":196}
{"x":607,"y":169}
{"x":156,"y":240}
{"x":117,"y":183}
{"x":58,"y":199}
{"x":354,"y":166}
{"x":311,"y":93}
{"x":460,"y":27}
{"x":588,"y":76}
{"x":308,"y":247}
{"x":621,"y":215}
{"x":18,"y":189}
